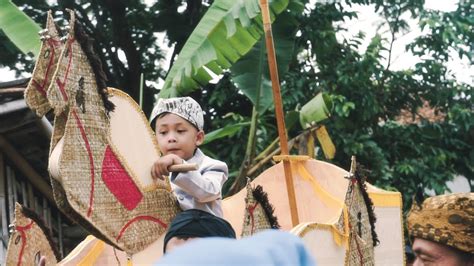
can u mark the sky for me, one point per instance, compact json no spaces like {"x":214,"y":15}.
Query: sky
{"x":367,"y":22}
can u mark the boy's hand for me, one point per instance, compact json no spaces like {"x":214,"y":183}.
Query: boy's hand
{"x":160,"y":167}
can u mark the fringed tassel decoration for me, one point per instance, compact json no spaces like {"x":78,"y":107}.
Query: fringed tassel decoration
{"x":262,"y":198}
{"x":86,"y":44}
{"x":360,"y":175}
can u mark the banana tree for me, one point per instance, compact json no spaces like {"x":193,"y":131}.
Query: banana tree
{"x":251,"y":76}
{"x":227,"y":31}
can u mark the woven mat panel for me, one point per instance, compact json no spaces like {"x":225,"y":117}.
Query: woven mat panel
{"x":51,"y":46}
{"x":361,"y":248}
{"x":86,"y":149}
{"x":28,"y":243}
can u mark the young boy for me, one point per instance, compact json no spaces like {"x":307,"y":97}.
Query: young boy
{"x":179,"y":126}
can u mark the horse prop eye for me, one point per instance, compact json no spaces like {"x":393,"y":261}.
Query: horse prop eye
{"x":17,"y":239}
{"x":46,"y":53}
{"x":37,"y":257}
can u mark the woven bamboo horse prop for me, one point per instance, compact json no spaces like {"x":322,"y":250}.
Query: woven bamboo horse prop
{"x":30,"y":240}
{"x":100,"y":166}
{"x":36,"y":98}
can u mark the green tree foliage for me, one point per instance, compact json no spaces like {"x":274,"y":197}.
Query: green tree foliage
{"x":371,"y":99}
{"x":378,"y":113}
{"x":129,"y":28}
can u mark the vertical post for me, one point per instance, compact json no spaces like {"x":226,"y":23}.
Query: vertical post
{"x":24,"y":194}
{"x":50,"y":217}
{"x":45,"y":210}
{"x":141,"y":90}
{"x":11,"y":197}
{"x":3,"y":212}
{"x":31,"y":197}
{"x":272,"y":65}
{"x":60,"y":235}
{"x":37,"y":206}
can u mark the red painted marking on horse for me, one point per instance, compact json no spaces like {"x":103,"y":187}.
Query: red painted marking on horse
{"x":40,"y":87}
{"x":22,"y":230}
{"x":91,"y":159}
{"x":139,"y":218}
{"x":63,"y":83}
{"x":252,"y":219}
{"x":119,"y":182}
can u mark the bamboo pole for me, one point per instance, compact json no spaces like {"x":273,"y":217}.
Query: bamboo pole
{"x":272,"y":65}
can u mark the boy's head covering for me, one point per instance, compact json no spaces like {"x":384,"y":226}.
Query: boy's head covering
{"x":446,"y":219}
{"x":197,"y":223}
{"x":185,"y":107}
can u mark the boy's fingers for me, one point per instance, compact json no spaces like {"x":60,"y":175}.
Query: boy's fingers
{"x":42,"y":261}
{"x":153,"y":172}
{"x":163,"y":169}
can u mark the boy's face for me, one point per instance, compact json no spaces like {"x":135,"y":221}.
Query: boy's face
{"x":177,"y":136}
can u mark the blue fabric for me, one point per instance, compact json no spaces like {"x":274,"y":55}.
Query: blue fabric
{"x":271,"y":247}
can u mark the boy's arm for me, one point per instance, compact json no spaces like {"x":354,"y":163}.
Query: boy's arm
{"x":205,"y":184}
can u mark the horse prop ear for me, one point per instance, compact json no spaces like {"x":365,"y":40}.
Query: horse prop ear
{"x":51,"y":46}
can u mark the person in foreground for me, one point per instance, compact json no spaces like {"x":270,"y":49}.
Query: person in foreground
{"x":194,"y":224}
{"x":178,"y":124}
{"x":442,"y":229}
{"x":270,"y":247}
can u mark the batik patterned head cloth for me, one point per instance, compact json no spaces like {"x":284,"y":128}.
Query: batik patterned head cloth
{"x":445,"y":219}
{"x":185,"y":107}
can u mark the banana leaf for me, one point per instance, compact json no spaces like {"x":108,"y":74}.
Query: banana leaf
{"x":250,"y":74}
{"x":224,"y":132}
{"x":316,"y":110}
{"x":227,"y":31}
{"x":19,"y":28}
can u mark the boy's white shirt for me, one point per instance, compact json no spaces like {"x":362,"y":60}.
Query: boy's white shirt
{"x":201,"y":189}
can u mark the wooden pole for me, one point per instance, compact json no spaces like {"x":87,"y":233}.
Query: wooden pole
{"x":272,"y":65}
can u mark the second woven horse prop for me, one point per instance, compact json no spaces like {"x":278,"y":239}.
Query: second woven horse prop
{"x":30,"y":240}
{"x":100,"y":166}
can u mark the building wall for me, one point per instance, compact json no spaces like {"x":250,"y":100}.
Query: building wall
{"x":15,"y":188}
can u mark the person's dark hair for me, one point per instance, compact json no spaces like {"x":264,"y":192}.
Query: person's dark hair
{"x":197,"y":223}
{"x":464,"y":256}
